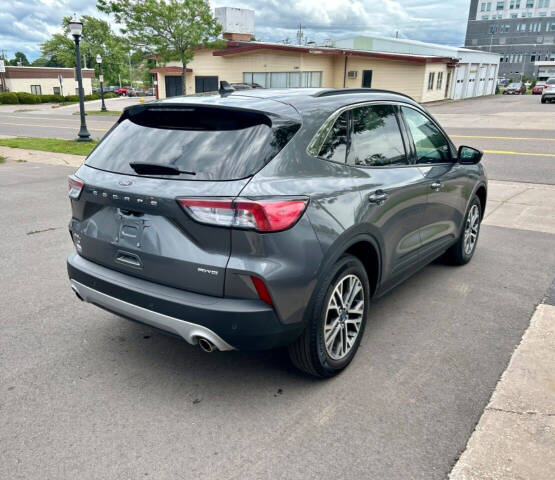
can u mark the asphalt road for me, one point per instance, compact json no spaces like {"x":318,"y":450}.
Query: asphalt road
{"x":85,"y":394}
{"x":517,"y":132}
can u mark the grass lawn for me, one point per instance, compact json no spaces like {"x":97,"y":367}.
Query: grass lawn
{"x":49,"y":145}
{"x":2,"y":159}
{"x":99,"y":112}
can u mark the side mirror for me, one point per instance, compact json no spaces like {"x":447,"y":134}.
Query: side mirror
{"x":469,"y":155}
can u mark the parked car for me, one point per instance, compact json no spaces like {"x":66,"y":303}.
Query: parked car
{"x":538,"y":88}
{"x":150,"y":92}
{"x":548,"y":93}
{"x":122,"y":91}
{"x":515,"y":89}
{"x":241,"y":86}
{"x":269,"y":218}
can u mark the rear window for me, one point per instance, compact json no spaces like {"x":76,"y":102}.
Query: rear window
{"x":212,"y":143}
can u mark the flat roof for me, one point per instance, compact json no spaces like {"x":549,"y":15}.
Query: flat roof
{"x":407,"y":41}
{"x":236,"y":47}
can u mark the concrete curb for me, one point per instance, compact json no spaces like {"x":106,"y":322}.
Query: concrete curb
{"x":515,"y":437}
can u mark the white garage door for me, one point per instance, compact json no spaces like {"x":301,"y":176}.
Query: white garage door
{"x":471,"y":83}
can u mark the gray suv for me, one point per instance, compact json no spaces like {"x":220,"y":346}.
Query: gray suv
{"x":268,"y":218}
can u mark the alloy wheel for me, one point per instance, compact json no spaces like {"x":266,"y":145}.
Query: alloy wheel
{"x":344,"y":317}
{"x":471,"y":229}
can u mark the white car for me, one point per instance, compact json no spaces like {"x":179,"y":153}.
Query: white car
{"x":548,"y":94}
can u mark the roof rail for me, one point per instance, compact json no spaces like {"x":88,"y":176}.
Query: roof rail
{"x":346,"y":91}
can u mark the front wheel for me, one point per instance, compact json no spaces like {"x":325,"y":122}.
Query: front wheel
{"x":462,"y":252}
{"x":336,"y":320}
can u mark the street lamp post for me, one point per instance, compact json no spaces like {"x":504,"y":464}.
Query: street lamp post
{"x":101,"y":78}
{"x":76,"y":27}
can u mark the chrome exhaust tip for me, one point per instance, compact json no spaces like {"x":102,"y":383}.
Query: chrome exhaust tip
{"x":206,"y":345}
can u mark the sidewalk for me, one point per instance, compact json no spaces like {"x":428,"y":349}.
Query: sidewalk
{"x":39,"y":156}
{"x":515,"y":438}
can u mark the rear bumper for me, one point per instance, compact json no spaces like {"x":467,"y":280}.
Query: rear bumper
{"x":228,"y":323}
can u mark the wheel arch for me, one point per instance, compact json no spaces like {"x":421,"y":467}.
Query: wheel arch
{"x":482,"y":193}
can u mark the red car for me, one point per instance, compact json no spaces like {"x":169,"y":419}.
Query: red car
{"x":122,"y":91}
{"x":538,"y":89}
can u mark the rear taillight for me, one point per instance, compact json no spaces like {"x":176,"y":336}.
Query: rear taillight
{"x":75,"y":187}
{"x":265,"y":215}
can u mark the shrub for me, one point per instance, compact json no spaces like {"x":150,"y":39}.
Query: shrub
{"x":110,"y":95}
{"x":27,"y":98}
{"x":92,"y":96}
{"x":9,"y":97}
{"x":71,"y":98}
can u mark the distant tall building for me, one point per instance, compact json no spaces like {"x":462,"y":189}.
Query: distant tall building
{"x":521,"y":31}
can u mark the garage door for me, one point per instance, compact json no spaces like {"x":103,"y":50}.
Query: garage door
{"x":459,"y":83}
{"x":471,"y":83}
{"x":481,"y":90}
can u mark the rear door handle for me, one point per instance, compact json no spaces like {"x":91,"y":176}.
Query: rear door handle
{"x":378,"y":197}
{"x":436,"y":186}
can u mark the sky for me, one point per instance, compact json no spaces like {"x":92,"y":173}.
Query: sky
{"x":25,"y":24}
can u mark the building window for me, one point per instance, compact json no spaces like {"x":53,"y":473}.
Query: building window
{"x":529,"y":3}
{"x":56,"y":90}
{"x":431,"y":77}
{"x":485,"y":17}
{"x":514,"y":15}
{"x":483,"y":7}
{"x":500,"y":5}
{"x":489,"y":7}
{"x":36,"y":90}
{"x":284,"y":79}
{"x":439,"y":80}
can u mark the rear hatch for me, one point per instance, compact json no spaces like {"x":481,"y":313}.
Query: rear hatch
{"x":127,"y":216}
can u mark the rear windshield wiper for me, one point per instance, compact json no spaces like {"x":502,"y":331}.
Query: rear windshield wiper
{"x":145,"y":168}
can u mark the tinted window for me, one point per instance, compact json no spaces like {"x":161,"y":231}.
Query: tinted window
{"x":431,"y":145}
{"x":216,"y":145}
{"x":335,"y":146}
{"x":376,"y":139}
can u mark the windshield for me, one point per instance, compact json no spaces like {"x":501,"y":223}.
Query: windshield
{"x":514,"y":85}
{"x":209,"y":144}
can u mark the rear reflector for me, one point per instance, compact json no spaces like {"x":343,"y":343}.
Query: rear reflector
{"x":262,"y":290}
{"x":267,"y":215}
{"x":75,"y":187}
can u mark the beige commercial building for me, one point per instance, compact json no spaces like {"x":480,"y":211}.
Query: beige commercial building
{"x":426,"y":78}
{"x":44,"y":80}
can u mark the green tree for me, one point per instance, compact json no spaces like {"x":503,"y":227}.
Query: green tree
{"x":97,"y":38}
{"x":19,"y":57}
{"x":170,"y":29}
{"x":46,"y":62}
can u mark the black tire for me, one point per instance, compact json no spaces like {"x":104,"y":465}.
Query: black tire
{"x":544,"y":100}
{"x":458,"y":253}
{"x":309,"y":353}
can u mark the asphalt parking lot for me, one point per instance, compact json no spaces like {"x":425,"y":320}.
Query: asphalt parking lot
{"x":84,"y":394}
